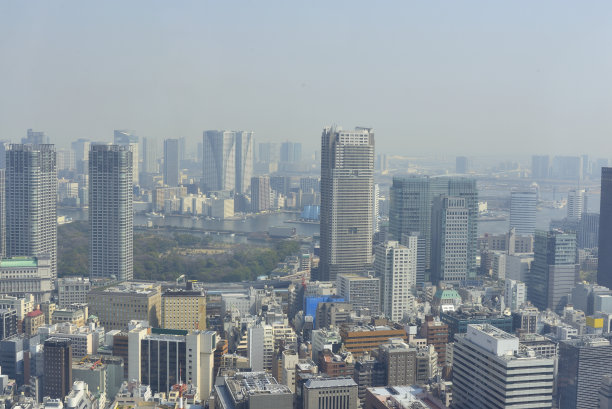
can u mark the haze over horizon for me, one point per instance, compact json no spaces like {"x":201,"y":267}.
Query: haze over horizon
{"x":465,"y":78}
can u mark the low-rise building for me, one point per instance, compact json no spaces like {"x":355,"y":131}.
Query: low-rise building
{"x":361,"y":339}
{"x":183,"y":309}
{"x":329,"y":393}
{"x":27,"y":275}
{"x":72,"y":290}
{"x":251,"y":390}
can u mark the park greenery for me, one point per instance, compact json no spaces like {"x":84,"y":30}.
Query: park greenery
{"x":163,"y":256}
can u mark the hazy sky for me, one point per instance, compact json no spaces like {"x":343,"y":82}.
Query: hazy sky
{"x":464,"y":77}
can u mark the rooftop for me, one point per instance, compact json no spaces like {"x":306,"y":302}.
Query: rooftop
{"x":329,"y":383}
{"x":19,"y":262}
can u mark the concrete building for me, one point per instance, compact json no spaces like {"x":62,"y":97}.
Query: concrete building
{"x":72,"y":290}
{"x":588,"y":231}
{"x":251,"y":390}
{"x":491,"y":370}
{"x":172,"y":167}
{"x":576,"y":204}
{"x":540,"y":167}
{"x":462,"y":165}
{"x":31,"y":202}
{"x":396,"y":267}
{"x":450,"y":227}
{"x":2,"y":204}
{"x":219,"y":167}
{"x":111,"y":217}
{"x":130,"y":141}
{"x":410,"y":210}
{"x":58,"y":367}
{"x":260,"y":194}
{"x":183,"y":309}
{"x":436,"y":334}
{"x":84,"y":340}
{"x":523,"y":211}
{"x":582,"y":364}
{"x":33,"y":320}
{"x":554,"y":272}
{"x":260,"y":347}
{"x":347,"y":172}
{"x":459,"y":321}
{"x":330,"y":392}
{"x":604,"y":266}
{"x":515,"y":294}
{"x":605,"y":393}
{"x":361,"y":292}
{"x":117,"y":305}
{"x":27,"y":275}
{"x":8,"y":323}
{"x":161,"y":358}
{"x":399,"y":360}
{"x":360,"y":339}
{"x":244,"y":160}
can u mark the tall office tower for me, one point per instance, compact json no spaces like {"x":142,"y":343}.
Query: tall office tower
{"x":410,"y":210}
{"x":171,"y":162}
{"x":2,"y":216}
{"x":395,"y":265}
{"x":57,"y":358}
{"x":420,"y":246}
{"x":347,"y":183}
{"x":244,"y":161}
{"x":462,"y":164}
{"x":540,"y":167}
{"x":449,"y":239}
{"x":219,"y":167}
{"x":523,"y":211}
{"x":125,"y":137}
{"x":269,"y":152}
{"x":65,"y":160}
{"x":4,"y":145}
{"x":149,"y":155}
{"x":111,"y":215}
{"x":375,"y":208}
{"x":260,"y":194}
{"x":182,"y":149}
{"x":582,"y":364}
{"x":567,"y":168}
{"x":35,"y":138}
{"x":291,"y":152}
{"x":31,"y":202}
{"x":576,"y":204}
{"x":588,"y":231}
{"x":604,"y":266}
{"x":554,"y":272}
{"x":492,"y":370}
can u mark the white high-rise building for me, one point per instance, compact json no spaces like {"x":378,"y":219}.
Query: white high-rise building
{"x":244,"y":161}
{"x":576,"y":204}
{"x":515,"y":294}
{"x":219,"y":167}
{"x":347,"y":188}
{"x":523,"y":211}
{"x":396,"y":265}
{"x":449,"y":239}
{"x":375,"y":208}
{"x":260,"y":347}
{"x":111,"y":217}
{"x":31,"y":202}
{"x":491,"y":370}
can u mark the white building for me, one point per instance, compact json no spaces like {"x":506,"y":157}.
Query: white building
{"x":27,"y":275}
{"x":396,"y":266}
{"x":450,"y":235}
{"x":523,"y":211}
{"x":260,"y":347}
{"x":576,"y":204}
{"x":515,"y":294}
{"x":72,"y":290}
{"x":492,"y":370}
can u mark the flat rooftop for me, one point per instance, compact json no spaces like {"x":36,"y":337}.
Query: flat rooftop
{"x":19,"y":262}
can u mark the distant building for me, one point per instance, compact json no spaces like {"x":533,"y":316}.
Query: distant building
{"x":450,"y":228}
{"x":515,"y":294}
{"x":462,"y":165}
{"x":588,"y":231}
{"x":396,"y":266}
{"x":553,"y":272}
{"x":486,"y":350}
{"x":58,"y":368}
{"x":523,"y":211}
{"x":540,"y":167}
{"x":325,"y":393}
{"x":130,"y":140}
{"x":604,"y":267}
{"x":347,"y":172}
{"x":576,"y":204}
{"x":171,"y":162}
{"x":260,"y":194}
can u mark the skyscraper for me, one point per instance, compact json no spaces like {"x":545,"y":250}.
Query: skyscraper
{"x":492,"y":370}
{"x":110,"y":212}
{"x":31,"y":202}
{"x":588,"y":231}
{"x":523,"y":211}
{"x":171,"y":162}
{"x":244,"y":161}
{"x":260,"y":194}
{"x":604,"y":267}
{"x":149,"y":155}
{"x":462,"y":164}
{"x":291,"y":152}
{"x":35,"y":138}
{"x":449,"y":242}
{"x":396,"y":267}
{"x":540,"y":167}
{"x":410,"y":210}
{"x":58,"y":367}
{"x":582,"y":364}
{"x":553,"y":271}
{"x":125,"y":137}
{"x":2,"y":215}
{"x":576,"y":204}
{"x":219,"y":167}
{"x":347,"y":181}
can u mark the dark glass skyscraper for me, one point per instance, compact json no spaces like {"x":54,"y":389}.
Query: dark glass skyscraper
{"x":58,"y":367}
{"x":31,"y":202}
{"x":111,"y":216}
{"x":347,"y":181}
{"x":604,"y":267}
{"x":410,"y":210}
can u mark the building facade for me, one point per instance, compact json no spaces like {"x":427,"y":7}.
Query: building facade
{"x":347,"y":181}
{"x":523,"y":211}
{"x":449,"y":239}
{"x":171,"y":162}
{"x":111,"y":215}
{"x":396,"y":265}
{"x":604,"y":266}
{"x":58,"y":367}
{"x":360,"y":291}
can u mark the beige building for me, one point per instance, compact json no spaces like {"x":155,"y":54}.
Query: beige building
{"x":72,"y":290}
{"x":117,"y":305}
{"x":183,"y":309}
